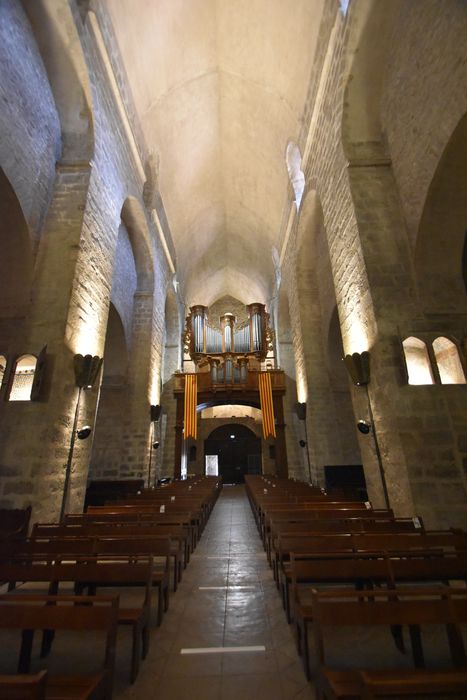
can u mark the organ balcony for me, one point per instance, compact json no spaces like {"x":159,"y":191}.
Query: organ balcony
{"x":236,"y":382}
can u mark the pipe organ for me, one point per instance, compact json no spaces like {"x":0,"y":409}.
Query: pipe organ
{"x":226,"y":346}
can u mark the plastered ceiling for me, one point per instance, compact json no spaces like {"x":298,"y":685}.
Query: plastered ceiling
{"x":220,"y":87}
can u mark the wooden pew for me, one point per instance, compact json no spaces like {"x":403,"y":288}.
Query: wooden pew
{"x":23,"y":686}
{"x":179,"y":536}
{"x":30,"y":613}
{"x":310,"y":513}
{"x":341,"y":526}
{"x":283,"y":544}
{"x":364,"y":570}
{"x":128,"y":519}
{"x":441,"y":606}
{"x":94,"y":574}
{"x":55,"y":548}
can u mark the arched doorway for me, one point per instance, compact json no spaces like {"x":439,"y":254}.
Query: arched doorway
{"x":238,"y":452}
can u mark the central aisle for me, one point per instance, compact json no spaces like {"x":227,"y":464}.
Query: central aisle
{"x":227,"y":598}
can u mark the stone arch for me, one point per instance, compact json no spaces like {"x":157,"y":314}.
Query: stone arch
{"x":440,"y":245}
{"x":29,"y":122}
{"x":16,"y":259}
{"x":343,"y":430}
{"x":134,"y":219}
{"x":369,"y":43}
{"x":115,"y":350}
{"x":173,"y":336}
{"x":56,"y":27}
{"x":106,"y":456}
{"x":289,"y":359}
{"x":235,"y":445}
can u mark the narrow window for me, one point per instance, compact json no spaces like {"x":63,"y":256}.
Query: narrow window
{"x":344,"y":6}
{"x":449,"y":364}
{"x":417,"y":361}
{"x":23,"y":379}
{"x":294,"y":168}
{"x":2,"y":369}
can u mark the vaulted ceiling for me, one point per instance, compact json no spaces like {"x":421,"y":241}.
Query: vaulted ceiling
{"x":220,"y":87}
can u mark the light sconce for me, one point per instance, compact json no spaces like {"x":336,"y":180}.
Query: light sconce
{"x":154,"y":414}
{"x":84,"y":432}
{"x":86,"y":369}
{"x":358,"y":367}
{"x":364,"y":427}
{"x":301,"y":413}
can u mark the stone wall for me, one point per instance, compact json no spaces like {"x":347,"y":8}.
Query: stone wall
{"x":29,"y":122}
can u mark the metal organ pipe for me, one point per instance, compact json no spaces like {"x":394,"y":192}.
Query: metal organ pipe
{"x":256,"y":312}
{"x":198,"y":323}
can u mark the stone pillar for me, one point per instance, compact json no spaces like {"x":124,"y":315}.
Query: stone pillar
{"x":137,"y":433}
{"x":387,"y":266}
{"x":36,"y":435}
{"x":281,"y":450}
{"x":179,"y":435}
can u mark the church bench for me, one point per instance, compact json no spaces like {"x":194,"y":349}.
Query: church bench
{"x":58,"y":548}
{"x":415,"y":608}
{"x":89,"y":526}
{"x":191,"y":517}
{"x":149,"y":516}
{"x":310,"y":515}
{"x":183,"y":501}
{"x":283,"y":544}
{"x":432,"y":684}
{"x":93,"y":574}
{"x":23,"y":686}
{"x":341,"y":527}
{"x":303,"y":513}
{"x":80,"y":614}
{"x":364,"y":570}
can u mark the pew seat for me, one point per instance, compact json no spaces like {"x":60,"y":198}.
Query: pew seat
{"x":82,"y":615}
{"x":417,"y":609}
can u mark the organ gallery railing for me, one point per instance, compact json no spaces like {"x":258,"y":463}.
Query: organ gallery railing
{"x":249,"y":382}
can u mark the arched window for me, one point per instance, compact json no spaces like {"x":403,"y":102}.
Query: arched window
{"x":344,"y":6}
{"x":23,"y":379}
{"x":417,"y":361}
{"x":448,"y":361}
{"x":2,"y":369}
{"x":294,"y":168}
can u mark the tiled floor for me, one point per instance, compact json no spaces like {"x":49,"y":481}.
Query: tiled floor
{"x":227,"y":598}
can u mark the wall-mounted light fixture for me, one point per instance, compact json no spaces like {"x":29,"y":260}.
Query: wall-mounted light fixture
{"x":358,"y":367}
{"x":84,"y":432}
{"x":301,"y":413}
{"x":86,"y":369}
{"x":154,"y":414}
{"x":364,"y":427}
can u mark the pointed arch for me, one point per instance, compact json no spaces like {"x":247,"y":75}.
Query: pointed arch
{"x":134,"y":218}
